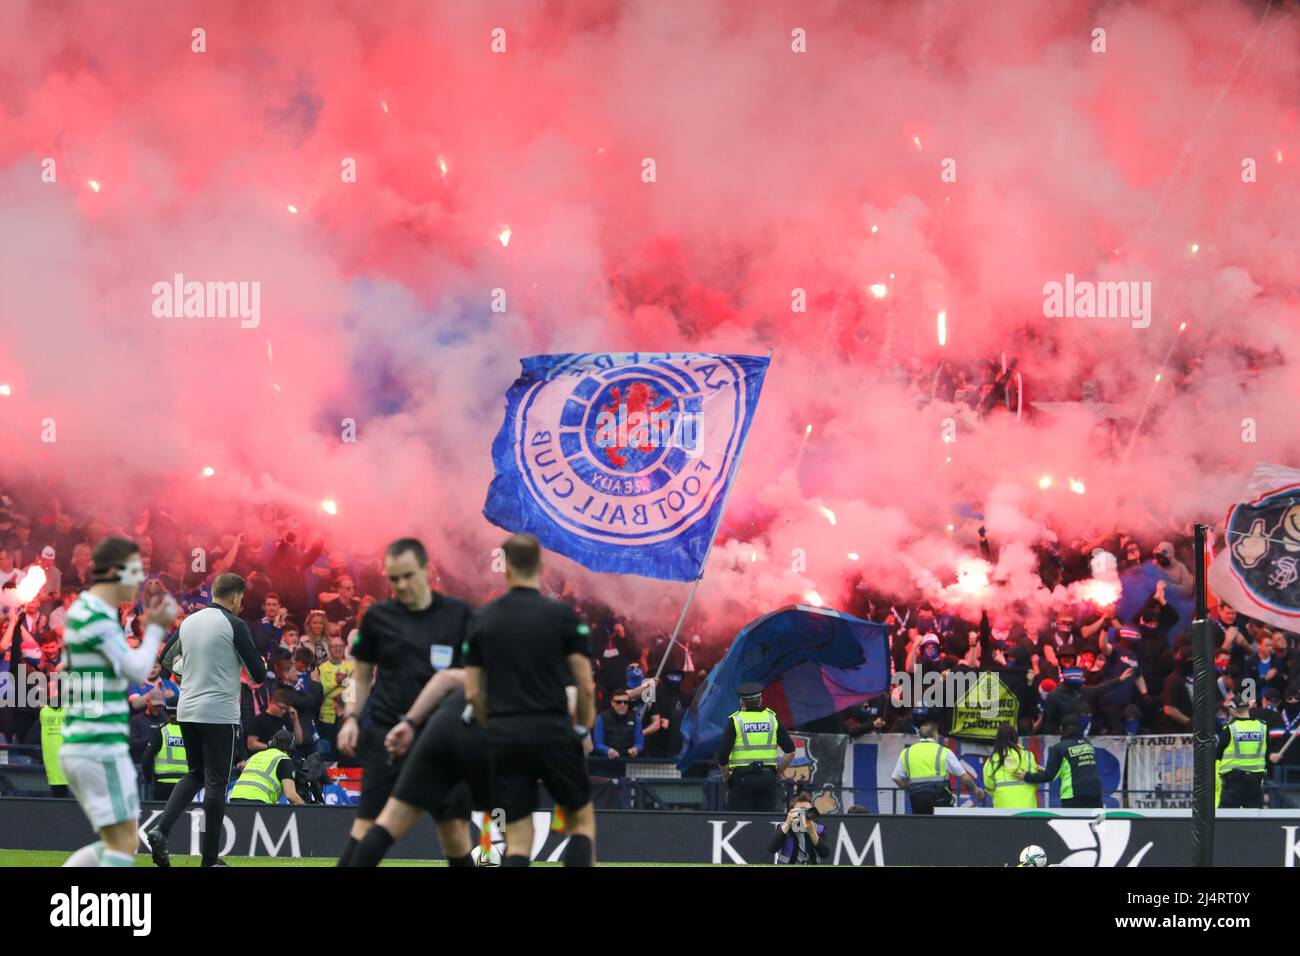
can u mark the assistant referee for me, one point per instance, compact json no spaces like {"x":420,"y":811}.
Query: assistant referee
{"x":409,"y":638}
{"x":524,"y":650}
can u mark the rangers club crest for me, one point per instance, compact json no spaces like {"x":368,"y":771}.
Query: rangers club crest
{"x":620,"y":460}
{"x":1262,"y":556}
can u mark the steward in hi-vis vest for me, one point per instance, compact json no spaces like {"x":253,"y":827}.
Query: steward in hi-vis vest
{"x":51,"y":718}
{"x":268,"y":775}
{"x":1004,"y":769}
{"x":1243,"y":758}
{"x":1074,"y":760}
{"x":924,"y":768}
{"x":753,"y":754}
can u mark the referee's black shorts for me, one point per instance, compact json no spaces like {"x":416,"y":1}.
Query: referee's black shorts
{"x":446,"y":771}
{"x":379,"y":773}
{"x":558,"y":763}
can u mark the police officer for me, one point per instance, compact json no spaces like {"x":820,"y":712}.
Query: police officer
{"x":168,"y":753}
{"x":1075,"y":761}
{"x":753,"y":754}
{"x":1243,"y":756}
{"x":268,"y":774}
{"x":923,"y":769}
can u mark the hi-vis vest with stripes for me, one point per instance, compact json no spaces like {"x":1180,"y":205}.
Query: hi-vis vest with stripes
{"x":170,"y":764}
{"x":1002,"y":784}
{"x":258,"y":781}
{"x":924,"y":763}
{"x":755,"y":738}
{"x":1248,"y":749}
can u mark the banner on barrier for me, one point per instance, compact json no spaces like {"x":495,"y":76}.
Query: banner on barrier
{"x":1158,"y":765}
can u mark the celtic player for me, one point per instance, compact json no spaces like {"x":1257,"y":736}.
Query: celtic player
{"x":95,"y":757}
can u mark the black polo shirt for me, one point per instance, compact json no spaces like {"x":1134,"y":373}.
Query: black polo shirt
{"x":522,"y":641}
{"x":407,"y":647}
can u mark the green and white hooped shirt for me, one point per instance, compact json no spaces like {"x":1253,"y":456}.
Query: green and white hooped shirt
{"x":96,"y":723}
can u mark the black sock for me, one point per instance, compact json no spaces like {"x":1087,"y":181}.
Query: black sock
{"x":214,"y":815}
{"x":578,"y":852}
{"x":349,"y":848}
{"x":517,"y":860}
{"x":465,"y":860}
{"x":371,"y":849}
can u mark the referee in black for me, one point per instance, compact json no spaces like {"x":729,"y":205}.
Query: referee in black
{"x":409,"y":638}
{"x":445,"y":774}
{"x":524,"y":650}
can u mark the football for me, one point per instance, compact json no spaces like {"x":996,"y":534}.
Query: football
{"x":1033,"y":856}
{"x":491,"y":858}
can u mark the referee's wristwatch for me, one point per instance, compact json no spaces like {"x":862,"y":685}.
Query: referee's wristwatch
{"x":404,"y":719}
{"x":581,"y":731}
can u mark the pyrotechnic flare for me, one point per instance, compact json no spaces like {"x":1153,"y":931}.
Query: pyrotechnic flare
{"x":31,"y":584}
{"x":1103,"y":588}
{"x":803,"y":443}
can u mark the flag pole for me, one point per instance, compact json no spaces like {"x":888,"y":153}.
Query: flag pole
{"x":726,"y":494}
{"x":1203,"y":726}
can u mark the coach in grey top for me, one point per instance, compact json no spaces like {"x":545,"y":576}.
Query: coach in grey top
{"x":214,"y":646}
{"x":208,"y":654}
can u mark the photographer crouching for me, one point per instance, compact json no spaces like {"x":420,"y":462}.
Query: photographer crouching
{"x":799,"y":837}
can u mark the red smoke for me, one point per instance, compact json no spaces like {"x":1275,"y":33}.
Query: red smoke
{"x":775,"y":171}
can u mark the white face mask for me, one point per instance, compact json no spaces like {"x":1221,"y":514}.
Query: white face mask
{"x":133,"y":574}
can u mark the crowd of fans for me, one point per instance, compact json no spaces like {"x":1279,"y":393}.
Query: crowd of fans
{"x":303,"y":605}
{"x":1118,"y":676}
{"x":304,"y":601}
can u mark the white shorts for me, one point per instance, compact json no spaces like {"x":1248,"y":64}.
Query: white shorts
{"x":104,"y":786}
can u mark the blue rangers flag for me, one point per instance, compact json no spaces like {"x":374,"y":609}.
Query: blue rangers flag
{"x":811,"y":661}
{"x":620,"y":461}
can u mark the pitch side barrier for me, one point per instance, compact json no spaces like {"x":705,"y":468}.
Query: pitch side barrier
{"x":965,"y":838}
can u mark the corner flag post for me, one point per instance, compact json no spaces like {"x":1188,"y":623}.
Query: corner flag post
{"x":1203,"y":723}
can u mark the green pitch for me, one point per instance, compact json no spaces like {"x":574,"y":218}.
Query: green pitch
{"x":56,"y":858}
